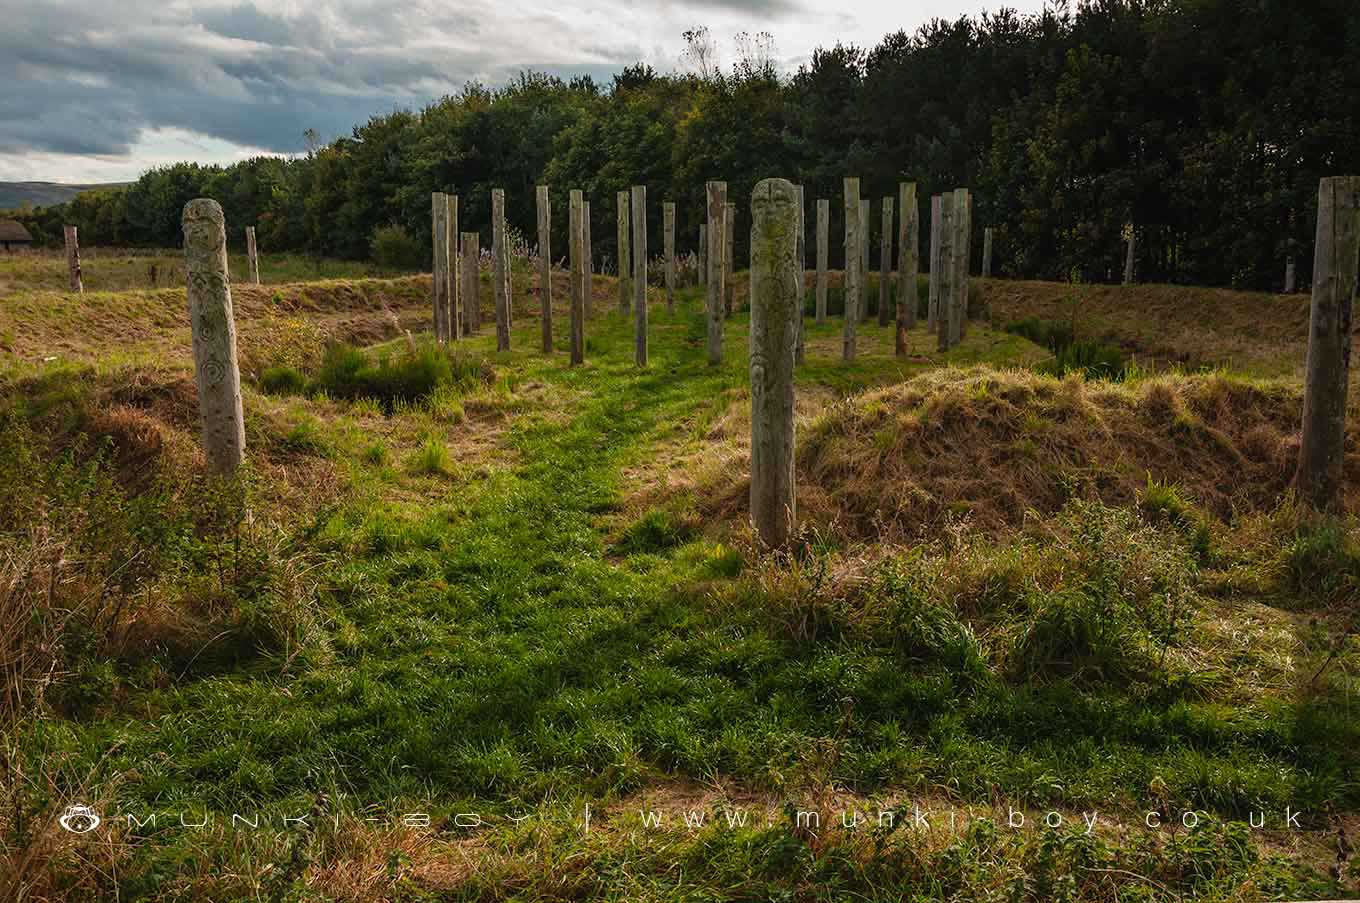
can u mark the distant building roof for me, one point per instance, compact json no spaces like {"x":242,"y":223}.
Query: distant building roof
{"x":12,"y":230}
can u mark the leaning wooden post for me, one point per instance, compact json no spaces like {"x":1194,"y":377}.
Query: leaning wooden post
{"x":1128,"y":258}
{"x":933,"y":296}
{"x":729,"y":258}
{"x":800,"y":254}
{"x":703,"y":253}
{"x":948,"y":309}
{"x":717,"y":207}
{"x":885,"y":242}
{"x":625,"y":261}
{"x":853,"y":262}
{"x":963,"y":222}
{"x":498,"y":274}
{"x":823,"y":252}
{"x":544,"y":265}
{"x":577,"y":281}
{"x":908,"y":263}
{"x":439,"y":225}
{"x":73,"y":260}
{"x":987,"y":253}
{"x":638,"y":249}
{"x":668,"y":248}
{"x":1336,"y":257}
{"x":468,"y":271}
{"x":1289,"y":277}
{"x":776,"y":299}
{"x":252,"y":256}
{"x":213,"y":325}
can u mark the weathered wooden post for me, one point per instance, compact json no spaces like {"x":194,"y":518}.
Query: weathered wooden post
{"x":776,"y":299}
{"x":252,"y":256}
{"x":865,"y":241}
{"x":639,"y":252}
{"x":823,"y":252}
{"x":1336,"y":257}
{"x":948,"y":309}
{"x":668,"y":248}
{"x":469,"y":273}
{"x":578,"y":269}
{"x":800,"y":253}
{"x":507,"y":269}
{"x":439,"y":223}
{"x":963,"y":231}
{"x":933,"y":296}
{"x":453,"y":315}
{"x":1289,"y":277}
{"x":729,"y":257}
{"x":498,"y":273}
{"x":853,"y":262}
{"x":885,"y":242}
{"x":544,"y":206}
{"x":213,"y":325}
{"x":73,"y":260}
{"x":625,"y":261}
{"x":703,"y":253}
{"x":717,"y":214}
{"x":1128,"y":257}
{"x":908,"y":263}
{"x":588,"y":258}
{"x":987,"y":253}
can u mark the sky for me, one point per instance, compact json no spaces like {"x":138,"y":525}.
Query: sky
{"x":101,"y":91}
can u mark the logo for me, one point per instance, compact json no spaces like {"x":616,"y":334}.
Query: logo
{"x":79,"y":819}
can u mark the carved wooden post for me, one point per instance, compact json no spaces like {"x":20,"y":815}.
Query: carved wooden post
{"x":823,"y":252}
{"x":885,"y":242}
{"x":933,"y":297}
{"x":544,"y":265}
{"x":625,"y":261}
{"x":963,"y":220}
{"x":439,"y":225}
{"x":1336,"y":257}
{"x":703,"y":253}
{"x":639,"y":252}
{"x":252,"y":256}
{"x":729,"y":257}
{"x":908,"y":263}
{"x":221,"y":421}
{"x":1128,"y":258}
{"x":948,"y":309}
{"x":800,"y":252}
{"x":73,"y":260}
{"x":498,"y":273}
{"x":668,"y":248}
{"x":470,"y":275}
{"x":776,"y":298}
{"x":853,"y":261}
{"x":987,"y":253}
{"x":717,"y":214}
{"x":588,"y":259}
{"x":1289,"y":277}
{"x":578,"y":303}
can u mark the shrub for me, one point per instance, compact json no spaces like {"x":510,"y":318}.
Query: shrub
{"x":393,"y":247}
{"x":407,"y":376}
{"x":283,"y":380}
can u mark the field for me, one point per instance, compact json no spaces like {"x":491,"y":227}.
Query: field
{"x":495,"y":628}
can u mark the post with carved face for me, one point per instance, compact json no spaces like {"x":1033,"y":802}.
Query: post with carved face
{"x":717,"y":207}
{"x":776,"y":297}
{"x":214,"y":336}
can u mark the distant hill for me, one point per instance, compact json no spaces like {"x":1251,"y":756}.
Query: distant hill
{"x":14,"y":195}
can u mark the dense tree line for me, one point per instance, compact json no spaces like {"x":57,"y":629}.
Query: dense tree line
{"x":1205,"y":123}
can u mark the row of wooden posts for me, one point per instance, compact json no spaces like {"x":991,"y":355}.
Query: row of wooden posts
{"x":776,"y":304}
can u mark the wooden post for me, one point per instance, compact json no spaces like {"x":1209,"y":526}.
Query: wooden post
{"x":729,"y":257}
{"x":73,"y":260}
{"x":252,"y":256}
{"x":1289,"y":277}
{"x":908,"y":263}
{"x":948,"y":309}
{"x":639,"y":253}
{"x":703,"y":253}
{"x":823,"y":252}
{"x":213,"y":325}
{"x":987,"y":253}
{"x":1336,"y":257}
{"x":544,"y":265}
{"x":717,"y":214}
{"x":453,"y":305}
{"x":865,"y":239}
{"x":1128,"y":258}
{"x":439,"y":225}
{"x":469,"y":274}
{"x":963,"y":222}
{"x":853,"y":260}
{"x":625,"y":261}
{"x":933,"y":296}
{"x":885,"y":242}
{"x":800,"y":252}
{"x":577,"y":281}
{"x":498,"y":274}
{"x":588,"y":259}
{"x":506,"y":270}
{"x":668,"y":248}
{"x":776,"y":299}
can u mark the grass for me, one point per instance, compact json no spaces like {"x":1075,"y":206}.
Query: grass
{"x":541,"y":627}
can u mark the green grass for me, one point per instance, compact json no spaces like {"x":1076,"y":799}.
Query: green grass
{"x":480,"y":645}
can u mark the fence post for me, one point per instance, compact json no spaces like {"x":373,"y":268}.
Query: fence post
{"x":776,"y":299}
{"x":499,"y":278}
{"x":469,"y":273}
{"x":717,"y":215}
{"x":577,"y":281}
{"x":853,"y":261}
{"x":213,"y":327}
{"x":823,"y":252}
{"x":1336,"y":256}
{"x":908,"y":264}
{"x":885,"y":242}
{"x":668,"y":248}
